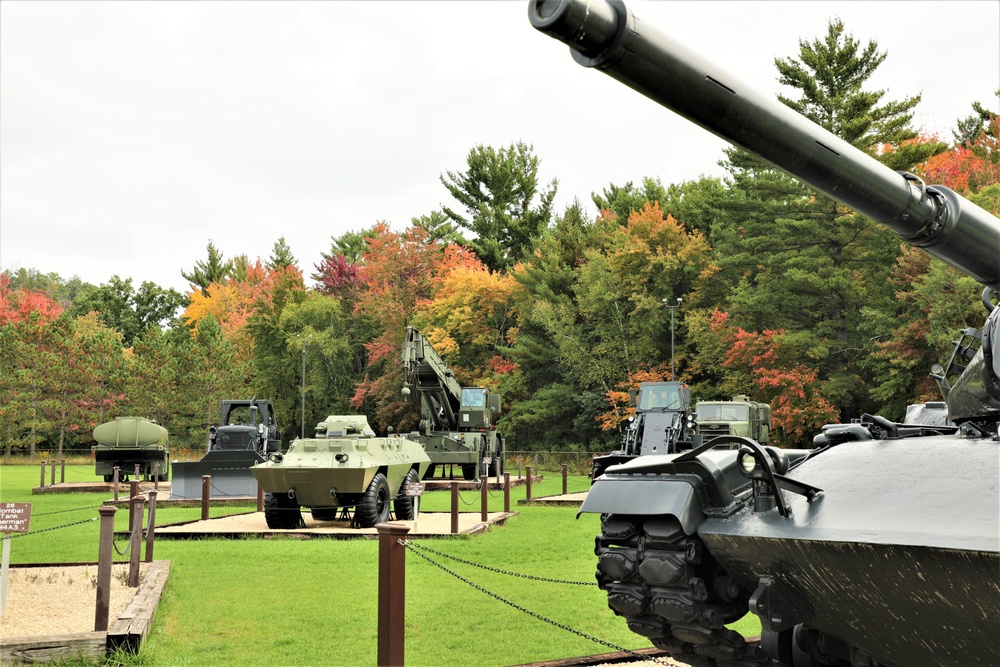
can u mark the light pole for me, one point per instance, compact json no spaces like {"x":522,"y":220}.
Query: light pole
{"x":302,"y":431}
{"x":672,"y":308}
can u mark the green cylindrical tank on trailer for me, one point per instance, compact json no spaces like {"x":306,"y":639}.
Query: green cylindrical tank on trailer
{"x":128,"y":441}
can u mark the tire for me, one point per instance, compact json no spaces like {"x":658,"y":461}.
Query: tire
{"x":109,"y":478}
{"x":469,"y":471}
{"x":431,"y":469}
{"x":403,"y":505}
{"x":281,"y":512}
{"x":374,"y":508}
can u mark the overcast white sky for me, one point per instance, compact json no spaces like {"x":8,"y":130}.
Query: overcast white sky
{"x":132,"y":133}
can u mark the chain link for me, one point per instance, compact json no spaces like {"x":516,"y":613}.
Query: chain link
{"x":76,"y":509}
{"x":498,"y":570}
{"x":533,"y":614}
{"x":44,"y":530}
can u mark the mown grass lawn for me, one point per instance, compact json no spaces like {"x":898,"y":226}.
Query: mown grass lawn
{"x":313,"y":602}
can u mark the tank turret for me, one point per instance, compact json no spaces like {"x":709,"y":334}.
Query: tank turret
{"x":878,"y":547}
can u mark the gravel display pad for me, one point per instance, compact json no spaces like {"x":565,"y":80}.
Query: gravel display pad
{"x":60,"y":600}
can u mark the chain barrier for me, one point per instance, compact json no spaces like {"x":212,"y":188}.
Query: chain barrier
{"x":44,"y":530}
{"x":533,"y":614}
{"x":136,"y":523}
{"x":76,"y":509}
{"x":498,"y":570}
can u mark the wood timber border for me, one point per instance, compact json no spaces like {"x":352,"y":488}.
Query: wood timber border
{"x":127,"y":632}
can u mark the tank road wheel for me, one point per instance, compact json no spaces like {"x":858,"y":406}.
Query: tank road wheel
{"x":671,"y":590}
{"x":470,"y":471}
{"x":281,"y":512}
{"x":374,"y":508}
{"x":403,"y":504}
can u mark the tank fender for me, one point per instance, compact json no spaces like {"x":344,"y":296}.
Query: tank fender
{"x":674,"y":497}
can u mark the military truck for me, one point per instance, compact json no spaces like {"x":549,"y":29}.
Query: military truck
{"x":740,"y":416}
{"x":662,"y":425}
{"x":879,"y":546}
{"x":344,"y":466}
{"x":128,"y":441}
{"x":456,"y":423}
{"x":247,"y":432}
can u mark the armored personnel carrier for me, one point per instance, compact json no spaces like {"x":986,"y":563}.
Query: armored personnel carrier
{"x":880,"y":546}
{"x":128,"y":441}
{"x":345,"y":465}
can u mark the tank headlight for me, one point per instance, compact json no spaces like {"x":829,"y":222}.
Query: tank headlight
{"x":341,"y":458}
{"x":747,"y":462}
{"x":275,"y":457}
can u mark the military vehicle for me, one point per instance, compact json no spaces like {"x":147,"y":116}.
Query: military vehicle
{"x":878,"y":547}
{"x":662,"y":425}
{"x":246,"y":434}
{"x":740,"y":416}
{"x":456,"y":423}
{"x":345,"y":465}
{"x":127,"y":441}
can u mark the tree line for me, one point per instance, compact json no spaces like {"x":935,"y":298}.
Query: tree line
{"x":775,"y":291}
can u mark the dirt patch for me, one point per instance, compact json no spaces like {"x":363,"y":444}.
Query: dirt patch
{"x":61,"y":599}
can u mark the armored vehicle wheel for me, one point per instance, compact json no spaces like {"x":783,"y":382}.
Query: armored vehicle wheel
{"x":281,"y":512}
{"x":469,"y":471}
{"x":324,"y":513}
{"x":403,"y":504}
{"x":374,"y":508}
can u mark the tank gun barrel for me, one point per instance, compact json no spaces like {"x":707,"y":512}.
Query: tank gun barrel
{"x":605,"y":35}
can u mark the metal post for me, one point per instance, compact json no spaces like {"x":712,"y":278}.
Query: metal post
{"x":454,"y":508}
{"x":53,"y":478}
{"x":260,"y":498}
{"x":135,"y":506}
{"x":206,"y":492}
{"x":528,"y":485}
{"x":62,"y":473}
{"x":484,"y":498}
{"x":506,"y":493}
{"x":391,"y":594}
{"x":302,"y":433}
{"x":156,"y":476}
{"x":151,"y":527}
{"x":41,"y":482}
{"x":565,"y":472}
{"x":115,"y":481}
{"x":107,"y":513}
{"x":136,"y":479}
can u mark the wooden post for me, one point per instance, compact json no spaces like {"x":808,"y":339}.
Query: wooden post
{"x":115,"y":481}
{"x":107,"y":513}
{"x":41,"y":482}
{"x":206,"y":492}
{"x":135,"y":503}
{"x":151,"y":528}
{"x":519,"y":467}
{"x":391,"y":594}
{"x":156,"y":476}
{"x":506,"y":492}
{"x":527,"y":471}
{"x":53,"y":478}
{"x":260,"y":498}
{"x":565,"y":472}
{"x":62,"y":473}
{"x":484,"y":498}
{"x":136,"y":478}
{"x":133,"y":491}
{"x":454,"y":508}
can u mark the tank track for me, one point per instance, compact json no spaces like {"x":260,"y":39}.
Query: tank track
{"x":670,"y":590}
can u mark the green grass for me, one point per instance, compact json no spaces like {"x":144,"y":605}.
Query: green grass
{"x":314,"y":602}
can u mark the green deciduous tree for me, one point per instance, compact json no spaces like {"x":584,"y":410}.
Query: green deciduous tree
{"x":130,"y":311}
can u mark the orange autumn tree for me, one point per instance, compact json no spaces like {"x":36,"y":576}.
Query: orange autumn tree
{"x":469,"y":317}
{"x":799,"y":407}
{"x":970,"y":166}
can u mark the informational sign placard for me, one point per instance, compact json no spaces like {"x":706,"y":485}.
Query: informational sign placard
{"x":15,"y":517}
{"x":415,"y":489}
